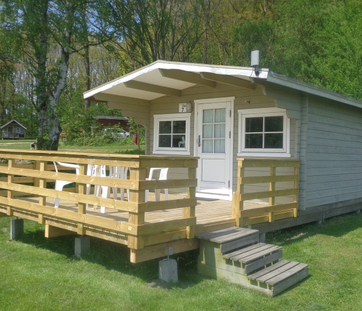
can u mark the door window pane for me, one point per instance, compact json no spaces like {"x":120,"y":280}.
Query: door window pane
{"x":219,"y":131}
{"x":208,"y":116}
{"x":220,"y":115}
{"x":207,"y":146}
{"x":219,"y":146}
{"x":207,"y":131}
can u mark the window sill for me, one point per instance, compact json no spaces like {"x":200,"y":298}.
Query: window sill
{"x":175,"y":152}
{"x":264,"y":154}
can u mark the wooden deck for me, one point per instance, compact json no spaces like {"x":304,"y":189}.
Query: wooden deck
{"x":211,"y":213}
{"x":149,"y":228}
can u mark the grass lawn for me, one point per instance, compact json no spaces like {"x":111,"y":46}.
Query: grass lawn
{"x":42,"y":274}
{"x":111,"y":148}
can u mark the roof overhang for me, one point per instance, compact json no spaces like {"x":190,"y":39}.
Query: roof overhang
{"x":165,"y":78}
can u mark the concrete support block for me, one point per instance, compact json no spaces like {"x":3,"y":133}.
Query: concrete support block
{"x":262,"y":238}
{"x":168,"y":270}
{"x":358,"y":211}
{"x":81,"y":246}
{"x":16,"y":228}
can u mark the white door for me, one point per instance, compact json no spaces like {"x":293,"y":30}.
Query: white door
{"x":213,"y":133}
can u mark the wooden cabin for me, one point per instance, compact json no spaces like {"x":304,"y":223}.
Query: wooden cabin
{"x":243,"y":148}
{"x":224,"y":115}
{"x":13,"y":130}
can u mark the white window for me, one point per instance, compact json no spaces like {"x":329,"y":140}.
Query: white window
{"x":172,"y":133}
{"x":264,"y":132}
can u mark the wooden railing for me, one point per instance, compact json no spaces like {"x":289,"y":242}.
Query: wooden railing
{"x":267,"y":190}
{"x":25,"y":191}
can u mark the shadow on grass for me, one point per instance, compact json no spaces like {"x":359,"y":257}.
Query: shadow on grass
{"x":336,"y":226}
{"x":114,"y":256}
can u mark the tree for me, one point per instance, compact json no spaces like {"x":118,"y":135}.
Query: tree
{"x":48,"y":32}
{"x":149,"y":30}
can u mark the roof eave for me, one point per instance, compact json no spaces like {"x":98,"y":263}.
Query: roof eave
{"x":311,"y":89}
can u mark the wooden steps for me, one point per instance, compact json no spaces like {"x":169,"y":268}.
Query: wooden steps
{"x":236,"y":254}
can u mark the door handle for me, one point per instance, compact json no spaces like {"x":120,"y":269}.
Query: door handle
{"x":199,"y":141}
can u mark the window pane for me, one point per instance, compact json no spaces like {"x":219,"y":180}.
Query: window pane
{"x":207,"y":131}
{"x":164,"y":141}
{"x":179,"y":127}
{"x":178,"y":141}
{"x":220,"y":115}
{"x":219,"y":146}
{"x":253,"y":125}
{"x":208,"y":116}
{"x":273,"y":140}
{"x":219,"y":131}
{"x":274,"y":124}
{"x":165,"y":127}
{"x":207,"y":145}
{"x":254,"y":141}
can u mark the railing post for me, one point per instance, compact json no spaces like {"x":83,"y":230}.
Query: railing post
{"x":190,"y":211}
{"x":82,"y":188}
{"x":296,"y":186}
{"x":136,"y":196}
{"x":272,"y":188}
{"x":10,"y":194}
{"x":41,"y":184}
{"x":238,"y":203}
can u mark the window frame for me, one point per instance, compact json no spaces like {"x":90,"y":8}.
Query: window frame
{"x":156,"y":135}
{"x":243,"y":114}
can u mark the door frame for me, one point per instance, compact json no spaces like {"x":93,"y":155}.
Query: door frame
{"x":199,"y":102}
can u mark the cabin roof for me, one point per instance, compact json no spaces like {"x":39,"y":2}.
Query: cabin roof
{"x":163,"y":78}
{"x":14,"y":121}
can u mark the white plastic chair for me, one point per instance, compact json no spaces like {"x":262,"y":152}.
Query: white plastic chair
{"x":59,"y":184}
{"x":92,"y":170}
{"x":121,"y":173}
{"x":162,"y":176}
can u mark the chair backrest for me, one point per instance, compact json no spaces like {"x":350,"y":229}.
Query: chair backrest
{"x":163,"y":172}
{"x":70,"y":165}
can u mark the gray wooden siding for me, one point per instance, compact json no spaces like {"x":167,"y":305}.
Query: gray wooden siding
{"x":334,"y":150}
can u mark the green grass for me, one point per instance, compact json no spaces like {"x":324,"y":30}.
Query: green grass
{"x":116,"y":147}
{"x":42,"y":274}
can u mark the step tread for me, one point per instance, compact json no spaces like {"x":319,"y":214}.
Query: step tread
{"x":286,"y":274}
{"x":251,"y":253}
{"x":227,"y":235}
{"x":278,"y":272}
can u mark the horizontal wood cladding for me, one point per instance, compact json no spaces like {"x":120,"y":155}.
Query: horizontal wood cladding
{"x":333,"y":153}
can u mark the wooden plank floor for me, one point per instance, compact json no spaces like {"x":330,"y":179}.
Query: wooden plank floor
{"x":208,"y":211}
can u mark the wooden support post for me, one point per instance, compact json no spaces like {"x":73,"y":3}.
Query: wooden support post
{"x":81,"y":190}
{"x":136,"y":196}
{"x":190,"y":211}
